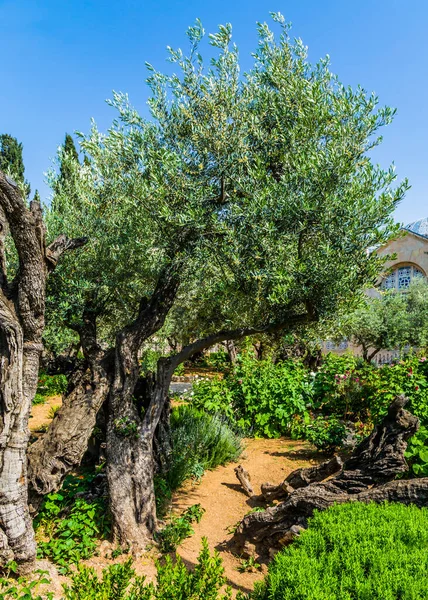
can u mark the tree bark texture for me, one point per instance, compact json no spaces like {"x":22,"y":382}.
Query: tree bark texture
{"x":22,"y":309}
{"x":367,"y":476}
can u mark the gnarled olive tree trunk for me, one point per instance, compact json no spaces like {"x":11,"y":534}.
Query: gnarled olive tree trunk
{"x":63,"y":446}
{"x":22,"y":309}
{"x":130,"y":435}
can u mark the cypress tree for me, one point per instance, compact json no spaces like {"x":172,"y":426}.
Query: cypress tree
{"x":65,"y":171}
{"x":11,"y":159}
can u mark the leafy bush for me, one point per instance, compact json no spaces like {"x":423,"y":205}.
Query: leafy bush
{"x":68,"y":526}
{"x":51,"y":385}
{"x":219,"y":361}
{"x":326,"y":433}
{"x":180,"y":528}
{"x":199,"y":441}
{"x":174,"y":580}
{"x":259,"y":396}
{"x":354,"y":552}
{"x":345,"y":386}
{"x":149,"y":360}
{"x":417,"y":453}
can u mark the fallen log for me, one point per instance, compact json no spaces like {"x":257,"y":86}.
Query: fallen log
{"x":367,"y":476}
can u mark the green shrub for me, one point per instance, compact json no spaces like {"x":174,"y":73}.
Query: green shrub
{"x":417,"y":453}
{"x":68,"y":526}
{"x":347,"y":387}
{"x":174,"y":581}
{"x":51,"y":385}
{"x":219,"y":361}
{"x":199,"y":441}
{"x":326,"y":433}
{"x":354,"y":552}
{"x":261,"y":397}
{"x":149,"y":361}
{"x":180,"y":528}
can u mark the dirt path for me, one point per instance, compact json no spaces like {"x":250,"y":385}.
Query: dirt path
{"x":40,"y":413}
{"x":225,"y":504}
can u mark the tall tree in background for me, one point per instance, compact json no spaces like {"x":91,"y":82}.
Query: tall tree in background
{"x":69,"y":151}
{"x":252,"y":200}
{"x":11,"y":160}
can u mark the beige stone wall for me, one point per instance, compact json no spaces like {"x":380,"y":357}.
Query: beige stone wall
{"x":410,"y":249}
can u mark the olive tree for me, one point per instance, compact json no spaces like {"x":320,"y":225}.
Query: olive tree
{"x":23,"y":274}
{"x":248,"y":200}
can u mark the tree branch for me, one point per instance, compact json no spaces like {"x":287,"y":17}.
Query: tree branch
{"x":236,"y":334}
{"x":62,"y":244}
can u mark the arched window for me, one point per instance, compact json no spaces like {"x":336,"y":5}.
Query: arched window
{"x":401,"y":277}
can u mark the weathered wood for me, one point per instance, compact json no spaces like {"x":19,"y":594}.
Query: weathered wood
{"x":244,"y":479}
{"x":22,"y":320}
{"x":367,"y":476}
{"x":304,"y":477}
{"x":271,"y":492}
{"x":301,"y":478}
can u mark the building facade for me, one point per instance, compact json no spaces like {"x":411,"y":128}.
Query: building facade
{"x":410,"y":251}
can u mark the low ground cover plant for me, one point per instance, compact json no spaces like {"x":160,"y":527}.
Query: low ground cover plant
{"x":69,"y":526}
{"x":354,"y":552}
{"x":174,"y":580}
{"x":179,"y":528}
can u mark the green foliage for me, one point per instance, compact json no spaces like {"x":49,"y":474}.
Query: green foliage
{"x":354,"y":552}
{"x":180,"y":369}
{"x":326,"y":433}
{"x":346,"y":387}
{"x":417,"y":452}
{"x":39,"y":399}
{"x":259,"y":396}
{"x":199,"y":441}
{"x":218,"y":361}
{"x":51,"y":385}
{"x":390,"y":321}
{"x":68,"y":526}
{"x":180,"y":528}
{"x":174,"y":580}
{"x":11,"y":161}
{"x":23,"y":588}
{"x":149,"y":360}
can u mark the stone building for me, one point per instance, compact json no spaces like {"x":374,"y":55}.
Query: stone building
{"x":411,"y":261}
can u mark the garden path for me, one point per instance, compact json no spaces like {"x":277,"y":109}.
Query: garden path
{"x":225,"y":503}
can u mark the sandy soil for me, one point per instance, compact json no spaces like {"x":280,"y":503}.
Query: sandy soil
{"x":225,"y":504}
{"x":39,"y":413}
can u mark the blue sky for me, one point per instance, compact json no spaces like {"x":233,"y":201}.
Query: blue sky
{"x":61,"y":59}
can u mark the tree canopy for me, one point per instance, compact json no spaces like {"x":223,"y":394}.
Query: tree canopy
{"x":258,"y":186}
